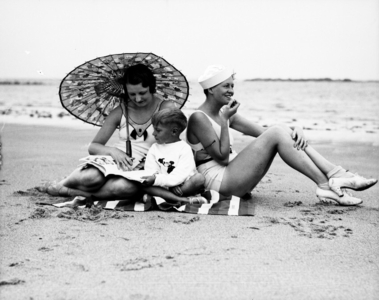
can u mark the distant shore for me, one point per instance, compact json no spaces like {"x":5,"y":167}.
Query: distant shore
{"x":49,"y":81}
{"x":52,"y":81}
{"x":309,"y":79}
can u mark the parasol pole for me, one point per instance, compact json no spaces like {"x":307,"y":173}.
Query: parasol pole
{"x":124,"y":107}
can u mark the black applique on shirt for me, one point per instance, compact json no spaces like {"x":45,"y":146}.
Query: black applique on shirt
{"x":168,"y":164}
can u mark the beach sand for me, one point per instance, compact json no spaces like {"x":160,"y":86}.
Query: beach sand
{"x":293,"y":248}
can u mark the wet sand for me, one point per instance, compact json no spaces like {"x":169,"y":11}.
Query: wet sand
{"x":294,"y":248}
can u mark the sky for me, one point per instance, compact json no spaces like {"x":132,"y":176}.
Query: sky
{"x":284,"y":39}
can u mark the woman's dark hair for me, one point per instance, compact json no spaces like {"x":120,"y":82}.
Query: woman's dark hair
{"x":140,"y":74}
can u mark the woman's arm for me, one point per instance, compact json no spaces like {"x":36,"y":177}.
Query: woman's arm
{"x":246,"y":126}
{"x":200,"y":130}
{"x":97,"y":146}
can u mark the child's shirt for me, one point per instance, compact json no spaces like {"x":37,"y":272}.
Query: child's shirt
{"x":174,"y":163}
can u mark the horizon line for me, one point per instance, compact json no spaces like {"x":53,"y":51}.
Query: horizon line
{"x":40,"y":81}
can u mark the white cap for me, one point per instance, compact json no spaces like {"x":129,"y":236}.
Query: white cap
{"x":214,"y":75}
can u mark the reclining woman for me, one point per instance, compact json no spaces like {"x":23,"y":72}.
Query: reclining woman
{"x":89,"y":181}
{"x":232,"y":174}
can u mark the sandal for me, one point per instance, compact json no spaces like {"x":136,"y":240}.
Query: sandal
{"x":356,"y":182}
{"x":346,"y":199}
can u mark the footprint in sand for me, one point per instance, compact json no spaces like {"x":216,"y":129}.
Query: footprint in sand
{"x":157,"y":217}
{"x":45,"y":249}
{"x":308,"y":226}
{"x":16,"y":264}
{"x":313,"y":230}
{"x":40,"y":213}
{"x":292,"y":204}
{"x":185,"y":220}
{"x":80,"y":267}
{"x":195,"y":252}
{"x":14,"y":281}
{"x":139,"y":297}
{"x":136,"y":264}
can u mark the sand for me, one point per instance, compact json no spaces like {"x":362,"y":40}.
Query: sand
{"x":293,"y":248}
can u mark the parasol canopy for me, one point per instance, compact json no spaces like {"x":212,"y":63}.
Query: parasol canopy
{"x":92,"y":90}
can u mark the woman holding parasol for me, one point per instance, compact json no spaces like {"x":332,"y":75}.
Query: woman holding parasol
{"x":147,"y":83}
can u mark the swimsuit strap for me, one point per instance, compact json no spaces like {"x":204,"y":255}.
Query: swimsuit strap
{"x":212,"y":121}
{"x":218,"y":127}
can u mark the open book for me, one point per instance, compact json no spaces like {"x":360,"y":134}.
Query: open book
{"x":108,"y":166}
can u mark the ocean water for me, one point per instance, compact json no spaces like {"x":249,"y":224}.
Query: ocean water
{"x":330,"y":106}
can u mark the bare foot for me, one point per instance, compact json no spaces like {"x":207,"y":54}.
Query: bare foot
{"x":55,"y":189}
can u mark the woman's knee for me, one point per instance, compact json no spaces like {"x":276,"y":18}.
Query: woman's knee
{"x":198,"y":180}
{"x":91,"y":177}
{"x":122,"y":187}
{"x":278,"y":131}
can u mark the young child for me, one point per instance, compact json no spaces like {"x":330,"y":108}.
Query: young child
{"x":173,"y":161}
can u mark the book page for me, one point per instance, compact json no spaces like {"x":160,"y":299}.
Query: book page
{"x":108,"y":166}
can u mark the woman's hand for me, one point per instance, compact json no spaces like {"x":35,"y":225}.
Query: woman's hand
{"x":299,"y":138}
{"x":229,"y":109}
{"x":123,"y":161}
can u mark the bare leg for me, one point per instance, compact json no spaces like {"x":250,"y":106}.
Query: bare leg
{"x":194,"y":185}
{"x":321,"y":162}
{"x":117,"y":188}
{"x":89,"y":179}
{"x":91,"y":182}
{"x":81,"y":182}
{"x":165,"y":194}
{"x":191,"y":187}
{"x":248,"y":168}
{"x":339,"y":177}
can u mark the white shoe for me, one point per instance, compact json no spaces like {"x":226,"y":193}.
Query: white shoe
{"x":357,"y":183}
{"x":346,"y":199}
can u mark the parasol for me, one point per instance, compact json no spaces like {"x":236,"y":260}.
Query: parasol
{"x":92,"y":90}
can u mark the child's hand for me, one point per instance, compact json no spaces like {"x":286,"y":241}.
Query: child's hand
{"x":177,"y":190}
{"x":148,"y":180}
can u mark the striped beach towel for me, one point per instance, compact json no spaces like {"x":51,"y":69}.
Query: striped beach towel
{"x":218,"y":205}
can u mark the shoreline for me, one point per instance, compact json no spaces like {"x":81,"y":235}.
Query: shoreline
{"x":320,"y":131}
